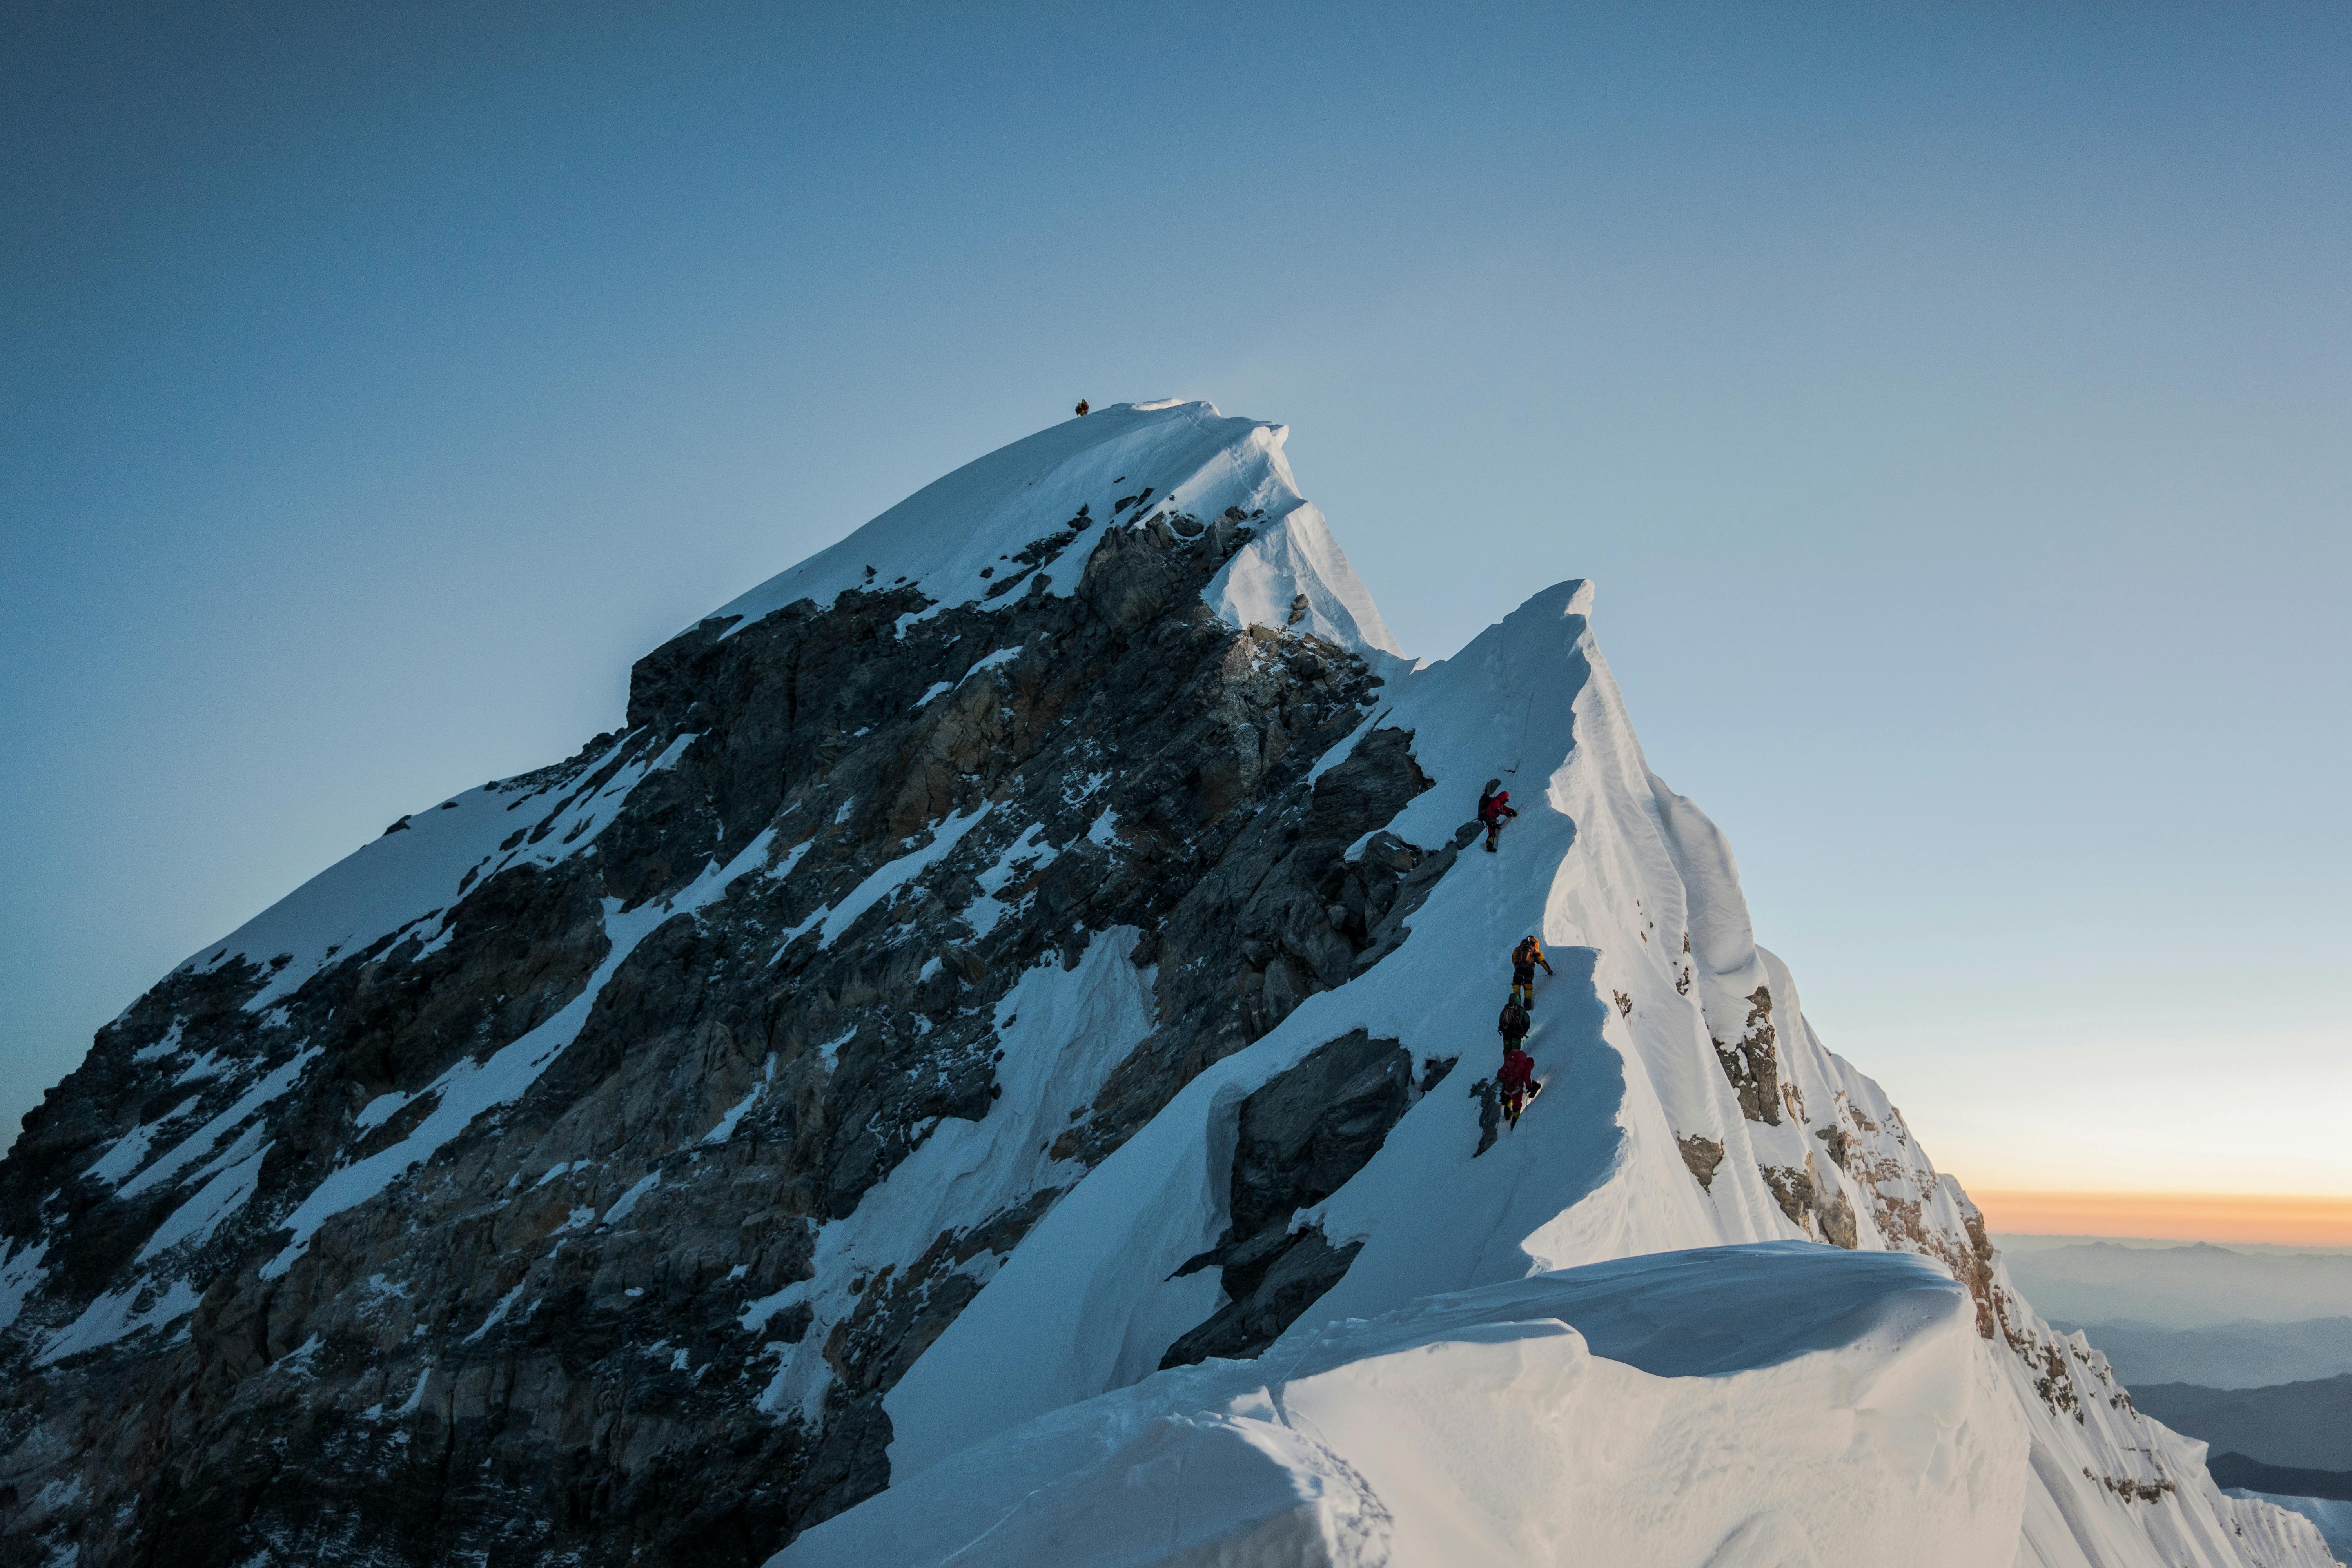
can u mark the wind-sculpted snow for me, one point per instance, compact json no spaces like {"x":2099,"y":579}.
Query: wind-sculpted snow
{"x":963,"y":989}
{"x":1779,"y":1402}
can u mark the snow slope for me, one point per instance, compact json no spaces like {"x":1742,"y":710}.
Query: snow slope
{"x":2334,"y":1517}
{"x":1662,"y":999}
{"x":1730,"y":1404}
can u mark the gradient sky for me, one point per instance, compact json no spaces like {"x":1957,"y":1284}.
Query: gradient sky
{"x":1950,"y":402}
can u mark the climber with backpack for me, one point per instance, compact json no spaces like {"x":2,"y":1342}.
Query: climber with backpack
{"x":1494,"y":807}
{"x":1082,"y":408}
{"x":1524,"y":958}
{"x":1517,"y":1082}
{"x":1514,"y":1025}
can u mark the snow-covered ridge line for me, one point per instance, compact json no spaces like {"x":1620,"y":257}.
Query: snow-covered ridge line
{"x":425,"y":864}
{"x":962,"y":538}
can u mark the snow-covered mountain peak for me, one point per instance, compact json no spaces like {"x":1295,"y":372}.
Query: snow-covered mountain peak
{"x":1014,"y":1074}
{"x":1028,"y":517}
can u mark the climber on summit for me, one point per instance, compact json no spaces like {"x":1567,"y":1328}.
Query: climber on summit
{"x":1517,"y":1080}
{"x":1524,"y":958}
{"x":1494,"y":806}
{"x":1082,"y":408}
{"x":1514,"y":1025}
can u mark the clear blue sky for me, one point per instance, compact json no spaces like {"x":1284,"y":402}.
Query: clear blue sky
{"x":1950,"y":401}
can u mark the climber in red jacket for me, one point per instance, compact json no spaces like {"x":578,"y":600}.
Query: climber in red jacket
{"x":1494,"y":807}
{"x":1517,"y":1082}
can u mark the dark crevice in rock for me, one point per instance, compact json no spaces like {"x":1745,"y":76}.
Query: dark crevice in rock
{"x":1490,"y":1114}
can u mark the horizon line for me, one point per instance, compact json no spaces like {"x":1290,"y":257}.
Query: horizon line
{"x":2276,"y":1219}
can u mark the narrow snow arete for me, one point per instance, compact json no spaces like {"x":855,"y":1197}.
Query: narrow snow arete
{"x":992,"y":1064}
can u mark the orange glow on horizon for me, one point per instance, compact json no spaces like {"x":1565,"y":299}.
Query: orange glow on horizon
{"x":2170,"y":1217}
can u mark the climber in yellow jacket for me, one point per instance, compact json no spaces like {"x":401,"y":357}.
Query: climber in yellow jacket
{"x":1524,"y":958}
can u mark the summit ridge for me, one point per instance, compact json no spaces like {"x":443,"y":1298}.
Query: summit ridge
{"x":975,"y":534}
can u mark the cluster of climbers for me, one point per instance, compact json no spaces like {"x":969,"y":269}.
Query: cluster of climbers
{"x":1514,"y":1081}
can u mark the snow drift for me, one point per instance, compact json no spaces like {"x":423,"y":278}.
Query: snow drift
{"x":1769,"y":1403}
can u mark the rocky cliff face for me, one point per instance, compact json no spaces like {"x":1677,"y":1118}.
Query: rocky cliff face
{"x":993,"y":961}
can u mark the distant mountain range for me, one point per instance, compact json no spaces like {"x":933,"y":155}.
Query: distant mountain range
{"x":2303,"y":1425}
{"x":2243,"y":1355}
{"x":2193,"y":1286}
{"x":2280,"y":1480}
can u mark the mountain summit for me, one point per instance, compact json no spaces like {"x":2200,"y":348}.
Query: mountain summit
{"x":994,"y":1063}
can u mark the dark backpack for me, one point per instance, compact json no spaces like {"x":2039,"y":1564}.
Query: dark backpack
{"x":1514,"y":1020}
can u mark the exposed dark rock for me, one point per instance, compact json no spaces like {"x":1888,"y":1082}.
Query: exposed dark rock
{"x":1287,"y":1283}
{"x":1836,"y":1217}
{"x":500,"y":1358}
{"x":1257,"y":934}
{"x":1702,"y":1155}
{"x":1298,"y":1139}
{"x":1753,"y":1065}
{"x":1792,"y":1189}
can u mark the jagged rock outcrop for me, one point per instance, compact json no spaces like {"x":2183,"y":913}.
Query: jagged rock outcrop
{"x":1299,"y":1139}
{"x":1702,"y":1155}
{"x":1753,"y":1066}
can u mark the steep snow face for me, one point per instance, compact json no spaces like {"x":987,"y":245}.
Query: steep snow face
{"x":1781,"y":1403}
{"x":2332,"y":1515}
{"x":1686,"y":1103}
{"x":985,"y":530}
